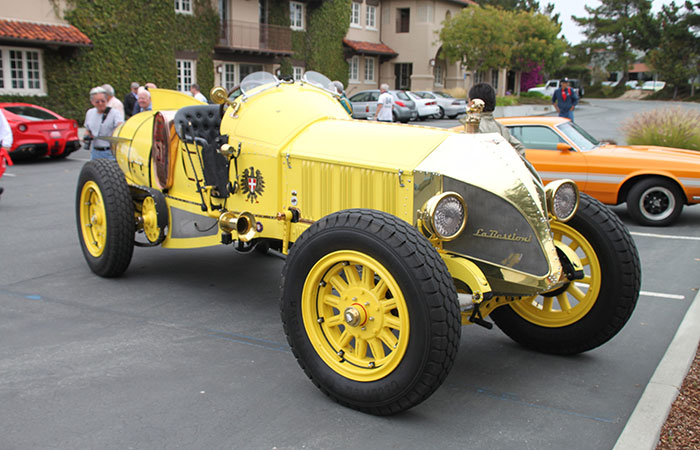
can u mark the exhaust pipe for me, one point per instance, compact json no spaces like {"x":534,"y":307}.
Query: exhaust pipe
{"x":242,"y":224}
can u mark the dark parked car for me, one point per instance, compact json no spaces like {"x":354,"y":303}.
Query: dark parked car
{"x":37,"y":131}
{"x":364,"y":105}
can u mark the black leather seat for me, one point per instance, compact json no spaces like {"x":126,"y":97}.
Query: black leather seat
{"x":200,"y":125}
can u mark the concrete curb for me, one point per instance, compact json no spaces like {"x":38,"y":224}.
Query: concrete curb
{"x":644,"y":425}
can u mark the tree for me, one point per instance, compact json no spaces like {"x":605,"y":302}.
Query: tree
{"x":677,"y":38}
{"x":617,"y":23}
{"x":492,"y":38}
{"x":478,"y":37}
{"x":535,"y":40}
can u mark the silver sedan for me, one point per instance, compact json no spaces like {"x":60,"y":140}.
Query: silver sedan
{"x":449,"y":106}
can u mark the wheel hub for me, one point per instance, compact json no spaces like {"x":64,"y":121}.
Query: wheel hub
{"x":355,"y":315}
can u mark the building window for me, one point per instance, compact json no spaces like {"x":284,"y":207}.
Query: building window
{"x":183,"y":6}
{"x":369,"y":69}
{"x":247,"y":69}
{"x":439,"y":75}
{"x":494,"y":79}
{"x":371,"y":17}
{"x":355,"y":15}
{"x":355,"y":69}
{"x":403,"y":19}
{"x":479,"y":77}
{"x":296,"y":15}
{"x":185,"y":74}
{"x":403,"y":74}
{"x":21,"y":71}
{"x":298,"y":72}
{"x":229,"y":80}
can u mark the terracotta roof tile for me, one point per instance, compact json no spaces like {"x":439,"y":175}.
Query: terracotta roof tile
{"x":369,"y":48}
{"x":39,"y":32}
{"x":639,"y":67}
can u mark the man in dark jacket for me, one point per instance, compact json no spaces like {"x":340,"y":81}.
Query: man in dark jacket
{"x":565,"y":99}
{"x":130,"y":100}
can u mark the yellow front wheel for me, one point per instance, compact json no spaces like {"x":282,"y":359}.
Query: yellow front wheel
{"x":370,"y":311}
{"x":105,"y":218}
{"x":583,"y":314}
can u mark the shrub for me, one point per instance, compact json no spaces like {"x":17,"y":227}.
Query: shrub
{"x":535,"y":95}
{"x":508,"y":100}
{"x":669,"y":127}
{"x":456,"y":92}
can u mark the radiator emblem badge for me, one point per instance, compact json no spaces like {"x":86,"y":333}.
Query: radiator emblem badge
{"x":495,"y":234}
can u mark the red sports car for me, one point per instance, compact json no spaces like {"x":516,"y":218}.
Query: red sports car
{"x":37,"y":131}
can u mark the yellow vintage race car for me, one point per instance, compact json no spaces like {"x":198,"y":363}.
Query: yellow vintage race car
{"x":394,"y":235}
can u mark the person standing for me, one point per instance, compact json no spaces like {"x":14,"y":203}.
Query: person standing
{"x":101,"y":120}
{"x":197,"y":93}
{"x":5,"y":145}
{"x":565,"y":100}
{"x":488,"y":124}
{"x":143,"y":101}
{"x":385,"y":105}
{"x":130,"y":100}
{"x":112,"y":101}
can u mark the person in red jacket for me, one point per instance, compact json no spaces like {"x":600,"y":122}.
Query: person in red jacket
{"x":565,"y":100}
{"x":5,"y":143}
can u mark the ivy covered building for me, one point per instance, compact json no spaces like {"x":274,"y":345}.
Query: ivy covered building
{"x":53,"y":51}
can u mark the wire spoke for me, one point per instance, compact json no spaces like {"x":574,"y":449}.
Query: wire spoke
{"x":388,"y":338}
{"x":332,"y":300}
{"x":351,"y":275}
{"x":338,"y":283}
{"x":564,"y":302}
{"x":547,"y":304}
{"x":392,"y":321}
{"x":377,"y":349}
{"x":335,"y":320}
{"x":360,"y":348}
{"x":576,"y":292}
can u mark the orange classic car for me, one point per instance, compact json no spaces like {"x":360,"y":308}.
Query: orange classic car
{"x":655,"y":182}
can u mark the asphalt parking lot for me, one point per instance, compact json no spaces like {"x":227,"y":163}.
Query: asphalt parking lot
{"x":186,"y":350}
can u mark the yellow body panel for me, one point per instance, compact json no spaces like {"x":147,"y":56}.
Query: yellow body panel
{"x":165,"y":99}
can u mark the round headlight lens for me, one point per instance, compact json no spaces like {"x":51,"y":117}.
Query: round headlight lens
{"x":565,"y":201}
{"x":449,"y":216}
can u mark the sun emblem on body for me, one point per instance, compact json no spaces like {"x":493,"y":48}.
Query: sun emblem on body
{"x":252,"y":184}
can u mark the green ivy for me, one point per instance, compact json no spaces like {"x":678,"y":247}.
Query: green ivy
{"x":132,"y":40}
{"x":327,"y":25}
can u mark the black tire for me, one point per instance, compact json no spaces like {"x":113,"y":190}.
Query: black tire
{"x":430,"y":303}
{"x":655,"y":202}
{"x":454,"y":116}
{"x":109,"y":252}
{"x":441,"y":113}
{"x":620,"y":279}
{"x":394,"y":117}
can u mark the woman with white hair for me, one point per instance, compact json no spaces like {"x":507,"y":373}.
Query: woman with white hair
{"x":112,"y":101}
{"x":101,"y":120}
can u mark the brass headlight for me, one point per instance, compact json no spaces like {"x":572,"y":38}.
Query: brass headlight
{"x":562,"y":199}
{"x":445,"y":215}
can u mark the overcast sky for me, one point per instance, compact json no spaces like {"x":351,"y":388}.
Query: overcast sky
{"x":568,"y":8}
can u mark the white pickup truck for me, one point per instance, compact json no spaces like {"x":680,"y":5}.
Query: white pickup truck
{"x":553,"y":85}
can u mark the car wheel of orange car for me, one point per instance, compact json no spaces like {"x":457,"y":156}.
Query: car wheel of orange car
{"x":655,"y":202}
{"x":370,"y":311}
{"x":105,"y":217}
{"x":586,"y":313}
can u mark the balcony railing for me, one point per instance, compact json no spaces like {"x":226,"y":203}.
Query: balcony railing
{"x":255,"y":36}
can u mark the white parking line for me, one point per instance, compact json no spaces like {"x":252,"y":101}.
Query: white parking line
{"x":81,"y":159}
{"x":8,"y":174}
{"x":657,"y":294}
{"x":648,"y":293}
{"x":665,"y":236}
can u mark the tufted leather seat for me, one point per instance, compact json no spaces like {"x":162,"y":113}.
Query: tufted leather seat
{"x":196,"y":123}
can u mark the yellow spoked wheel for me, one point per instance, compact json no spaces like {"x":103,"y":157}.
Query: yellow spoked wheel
{"x":150,"y":219}
{"x":370,"y":311}
{"x":93,"y":221}
{"x":355,"y":315}
{"x":105,"y":218}
{"x":569,"y":304}
{"x":586,"y":313}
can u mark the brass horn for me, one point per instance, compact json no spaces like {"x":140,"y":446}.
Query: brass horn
{"x":242,"y":224}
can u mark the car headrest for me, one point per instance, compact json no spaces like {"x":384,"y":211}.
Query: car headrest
{"x":198,"y":121}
